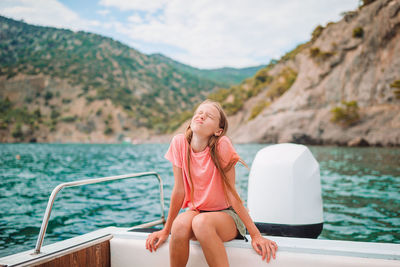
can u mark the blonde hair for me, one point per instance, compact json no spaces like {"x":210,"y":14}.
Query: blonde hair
{"x":212,"y":144}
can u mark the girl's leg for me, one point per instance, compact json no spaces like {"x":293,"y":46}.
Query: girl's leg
{"x":212,"y":229}
{"x":181,"y":233}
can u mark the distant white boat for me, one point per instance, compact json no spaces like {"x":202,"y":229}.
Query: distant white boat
{"x":135,"y":141}
{"x":288,"y":174}
{"x":126,"y":140}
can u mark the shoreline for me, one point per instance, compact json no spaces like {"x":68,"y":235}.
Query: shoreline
{"x":333,"y":144}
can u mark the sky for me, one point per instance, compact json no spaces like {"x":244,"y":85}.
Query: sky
{"x":200,"y":33}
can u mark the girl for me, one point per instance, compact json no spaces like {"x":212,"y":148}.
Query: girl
{"x":203,"y":164}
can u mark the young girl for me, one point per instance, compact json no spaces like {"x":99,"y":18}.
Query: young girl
{"x":203,"y":164}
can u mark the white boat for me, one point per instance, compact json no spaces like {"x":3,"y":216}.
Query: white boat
{"x":287,"y":174}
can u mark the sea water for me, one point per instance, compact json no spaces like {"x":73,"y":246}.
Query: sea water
{"x":360,"y":190}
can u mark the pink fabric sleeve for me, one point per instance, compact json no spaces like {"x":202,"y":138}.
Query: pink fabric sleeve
{"x":226,"y":152}
{"x":175,"y":151}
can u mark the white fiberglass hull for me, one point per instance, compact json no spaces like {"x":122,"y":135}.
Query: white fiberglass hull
{"x":128,"y":249}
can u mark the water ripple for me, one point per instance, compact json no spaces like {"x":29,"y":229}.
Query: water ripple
{"x":360,"y":187}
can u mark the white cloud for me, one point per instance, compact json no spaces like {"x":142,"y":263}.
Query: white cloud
{"x":134,"y":4}
{"x":201,"y":33}
{"x":135,"y":19}
{"x":231,"y":32}
{"x":45,"y":12}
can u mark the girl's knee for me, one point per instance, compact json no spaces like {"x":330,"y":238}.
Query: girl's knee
{"x":181,"y":229}
{"x":202,"y":226}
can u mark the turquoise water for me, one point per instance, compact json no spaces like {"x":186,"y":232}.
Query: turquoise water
{"x":360,"y":187}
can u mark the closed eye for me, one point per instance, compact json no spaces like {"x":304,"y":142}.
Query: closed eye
{"x":210,"y":116}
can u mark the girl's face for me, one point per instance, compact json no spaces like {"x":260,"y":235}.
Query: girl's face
{"x":205,"y":121}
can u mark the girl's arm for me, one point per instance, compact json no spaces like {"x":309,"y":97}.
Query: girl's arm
{"x":154,"y":240}
{"x":261,"y":245}
{"x":177,"y":196}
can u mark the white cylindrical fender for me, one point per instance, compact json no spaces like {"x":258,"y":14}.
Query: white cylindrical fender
{"x":285,"y":187}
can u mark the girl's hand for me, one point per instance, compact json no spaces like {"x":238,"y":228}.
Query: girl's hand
{"x":264,"y":246}
{"x":154,"y":240}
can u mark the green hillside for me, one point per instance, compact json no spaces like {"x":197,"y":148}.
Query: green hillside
{"x":153,"y":90}
{"x":224,"y":76}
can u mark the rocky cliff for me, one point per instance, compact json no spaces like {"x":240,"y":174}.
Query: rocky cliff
{"x":345,"y":89}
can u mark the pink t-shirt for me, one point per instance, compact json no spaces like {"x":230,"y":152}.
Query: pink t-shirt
{"x":208,"y":185}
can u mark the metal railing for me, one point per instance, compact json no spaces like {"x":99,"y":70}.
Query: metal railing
{"x":57,"y":189}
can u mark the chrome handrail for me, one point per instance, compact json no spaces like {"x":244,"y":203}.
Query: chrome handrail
{"x":57,"y":189}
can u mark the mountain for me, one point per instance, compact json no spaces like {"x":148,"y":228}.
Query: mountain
{"x":57,"y":85}
{"x":340,"y":88}
{"x":224,"y":76}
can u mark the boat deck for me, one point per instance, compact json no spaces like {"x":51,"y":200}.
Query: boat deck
{"x":292,"y":252}
{"x":118,"y":247}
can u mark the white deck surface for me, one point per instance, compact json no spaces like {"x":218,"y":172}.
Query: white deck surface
{"x":128,"y":249}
